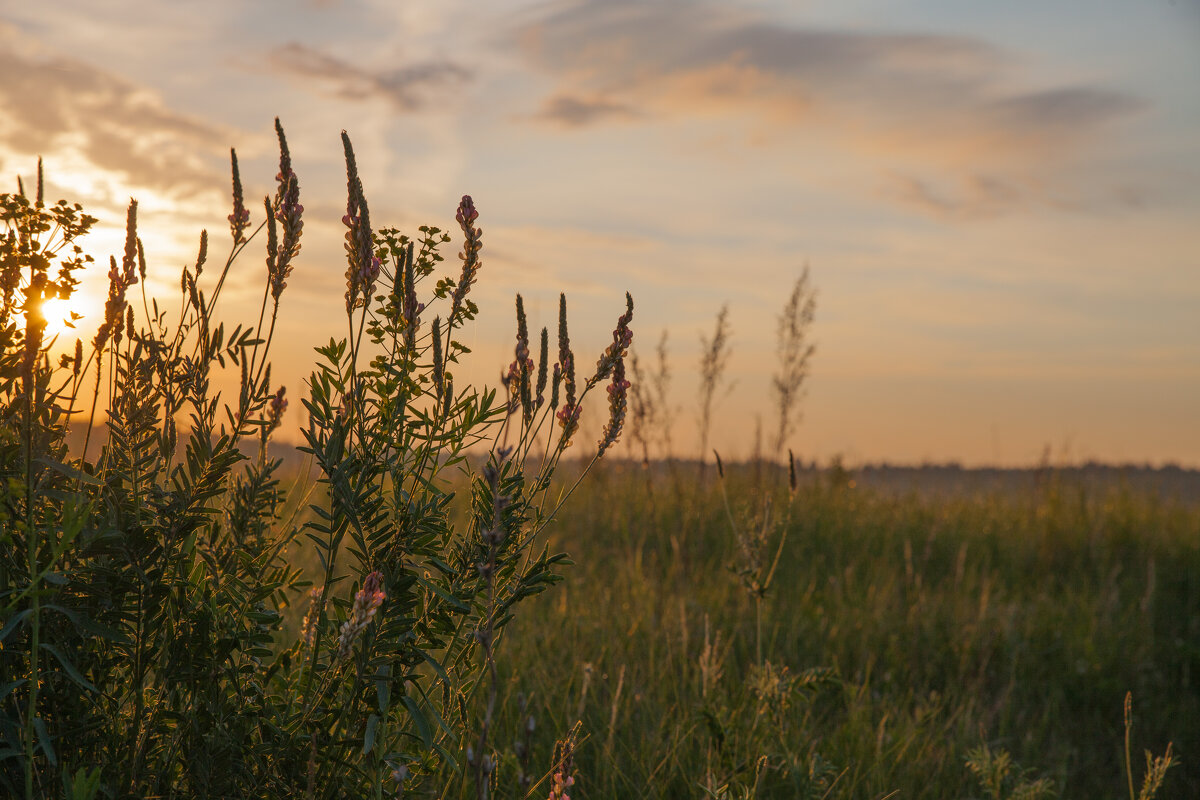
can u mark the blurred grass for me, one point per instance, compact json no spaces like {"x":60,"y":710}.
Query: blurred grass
{"x":1014,"y":614}
{"x":1017,"y":619}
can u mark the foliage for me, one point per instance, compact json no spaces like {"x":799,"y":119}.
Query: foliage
{"x":145,"y":593}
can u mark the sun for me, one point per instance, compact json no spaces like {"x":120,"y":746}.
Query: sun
{"x":61,"y":316}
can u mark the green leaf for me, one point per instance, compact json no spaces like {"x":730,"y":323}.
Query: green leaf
{"x":454,"y":601}
{"x":44,"y":740}
{"x":71,"y":472}
{"x":73,"y":673}
{"x":383,"y":687}
{"x":85,"y":625}
{"x":437,"y":667}
{"x":13,"y":622}
{"x":418,"y":718}
{"x":8,"y":687}
{"x":86,"y":784}
{"x":369,"y":736}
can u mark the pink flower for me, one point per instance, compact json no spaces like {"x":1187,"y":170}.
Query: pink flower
{"x":367,"y":601}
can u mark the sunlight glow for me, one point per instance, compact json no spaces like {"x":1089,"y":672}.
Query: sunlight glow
{"x":61,"y":316}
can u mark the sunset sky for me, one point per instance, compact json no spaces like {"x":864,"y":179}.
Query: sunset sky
{"x":999,"y":202}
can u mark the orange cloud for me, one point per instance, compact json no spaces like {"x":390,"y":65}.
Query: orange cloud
{"x":51,"y":102}
{"x":936,"y":105}
{"x":408,"y":88}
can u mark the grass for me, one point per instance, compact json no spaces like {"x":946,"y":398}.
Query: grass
{"x":1012,"y":620}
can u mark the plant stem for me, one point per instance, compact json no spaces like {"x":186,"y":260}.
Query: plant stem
{"x":35,"y":598}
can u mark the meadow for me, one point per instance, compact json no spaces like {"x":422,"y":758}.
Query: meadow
{"x":908,"y":632}
{"x":458,"y":591}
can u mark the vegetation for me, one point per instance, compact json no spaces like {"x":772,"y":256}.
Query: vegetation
{"x":179,"y":618}
{"x":143,"y":593}
{"x":951,"y":643}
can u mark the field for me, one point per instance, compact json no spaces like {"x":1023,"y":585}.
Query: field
{"x":458,"y":591}
{"x":1012,"y":610}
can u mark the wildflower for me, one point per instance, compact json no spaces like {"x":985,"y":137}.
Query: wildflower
{"x":622,"y":338}
{"x":568,"y":415}
{"x":559,"y":786}
{"x":522,"y":367}
{"x":618,"y":393}
{"x":275,"y":410}
{"x":564,"y":760}
{"x":366,"y":602}
{"x":363,"y":266}
{"x":239,"y":220}
{"x":308,"y":632}
{"x":288,"y":213}
{"x":555,"y":383}
{"x":412,"y":309}
{"x":466,"y":216}
{"x":119,"y":281}
{"x":439,"y":366}
{"x":543,"y":366}
{"x":201,"y":257}
{"x":400,"y":775}
{"x":568,"y":418}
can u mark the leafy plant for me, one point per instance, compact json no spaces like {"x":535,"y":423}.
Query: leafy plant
{"x":145,"y":593}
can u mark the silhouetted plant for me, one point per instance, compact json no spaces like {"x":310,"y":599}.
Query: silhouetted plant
{"x":143,"y":593}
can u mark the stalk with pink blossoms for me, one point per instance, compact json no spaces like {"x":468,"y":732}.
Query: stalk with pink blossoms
{"x":366,"y":602}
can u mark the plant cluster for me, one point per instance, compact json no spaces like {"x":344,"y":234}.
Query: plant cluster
{"x":145,"y":593}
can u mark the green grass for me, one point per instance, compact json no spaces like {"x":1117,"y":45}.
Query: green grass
{"x":1017,"y":620}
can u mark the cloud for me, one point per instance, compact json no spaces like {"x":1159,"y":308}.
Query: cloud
{"x":685,"y":57}
{"x":575,"y":111}
{"x":49,"y":102}
{"x":408,"y":88}
{"x":919,"y":102}
{"x":967,"y":198}
{"x":1063,"y":111}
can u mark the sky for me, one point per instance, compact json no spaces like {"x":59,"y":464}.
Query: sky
{"x":998,"y":203}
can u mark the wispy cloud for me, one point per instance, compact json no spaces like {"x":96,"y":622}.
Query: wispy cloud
{"x":51,"y":102}
{"x":972,"y":196}
{"x":576,"y":111}
{"x":408,"y":88}
{"x":934,"y":105}
{"x":683,"y":57}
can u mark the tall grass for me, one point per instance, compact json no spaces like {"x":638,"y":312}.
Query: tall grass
{"x":903,"y":633}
